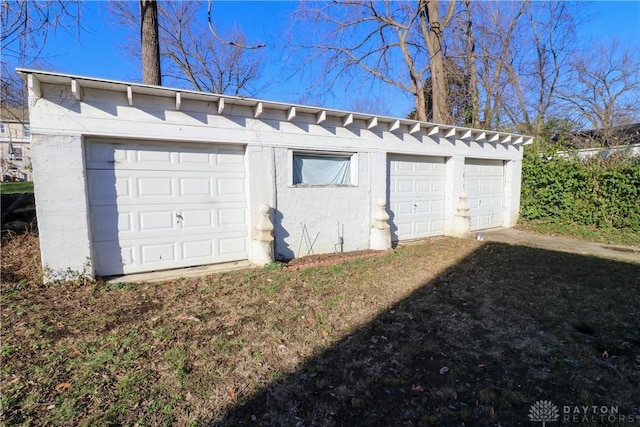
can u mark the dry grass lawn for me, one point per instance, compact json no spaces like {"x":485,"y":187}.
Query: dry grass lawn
{"x":448,"y":332}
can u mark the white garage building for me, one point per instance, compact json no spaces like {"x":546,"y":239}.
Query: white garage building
{"x":134,"y":178}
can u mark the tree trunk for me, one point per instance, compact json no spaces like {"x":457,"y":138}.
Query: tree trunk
{"x":433,"y":39}
{"x":150,"y":42}
{"x":472,"y":72}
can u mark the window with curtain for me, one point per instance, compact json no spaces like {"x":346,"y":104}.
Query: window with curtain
{"x":17,"y":152}
{"x":319,"y":169}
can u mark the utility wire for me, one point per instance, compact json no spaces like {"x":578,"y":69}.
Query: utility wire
{"x":223,"y":41}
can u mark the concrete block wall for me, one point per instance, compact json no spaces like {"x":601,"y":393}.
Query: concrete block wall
{"x":61,"y":204}
{"x":307,"y":219}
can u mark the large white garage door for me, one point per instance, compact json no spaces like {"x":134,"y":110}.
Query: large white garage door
{"x":484,"y":185}
{"x":158,"y":206}
{"x":416,"y":196}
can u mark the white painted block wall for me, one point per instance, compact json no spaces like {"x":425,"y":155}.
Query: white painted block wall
{"x":302,"y":216}
{"x":61,"y":205}
{"x":311,"y":220}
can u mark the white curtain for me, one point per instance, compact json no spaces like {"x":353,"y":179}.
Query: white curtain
{"x":310,"y":169}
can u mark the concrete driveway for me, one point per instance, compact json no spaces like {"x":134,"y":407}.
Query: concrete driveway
{"x":563,"y":244}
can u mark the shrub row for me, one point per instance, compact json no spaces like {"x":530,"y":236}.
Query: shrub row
{"x":596,"y":192}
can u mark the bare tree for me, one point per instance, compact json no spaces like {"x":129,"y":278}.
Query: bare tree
{"x":26,"y":25}
{"x":490,"y":64}
{"x":605,"y":92}
{"x":13,"y":91}
{"x":540,"y":64}
{"x":473,"y":114}
{"x":210,"y":62}
{"x":497,"y":26}
{"x":432,"y":26}
{"x":150,"y":42}
{"x":195,"y":57}
{"x":397,"y":43}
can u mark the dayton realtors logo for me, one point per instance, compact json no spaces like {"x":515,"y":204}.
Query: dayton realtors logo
{"x":545,"y":411}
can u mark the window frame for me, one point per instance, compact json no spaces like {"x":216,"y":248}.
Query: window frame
{"x":26,"y":131}
{"x":353,"y":167}
{"x":20,"y":149}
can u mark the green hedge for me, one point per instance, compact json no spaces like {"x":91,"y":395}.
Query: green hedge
{"x":597,"y":192}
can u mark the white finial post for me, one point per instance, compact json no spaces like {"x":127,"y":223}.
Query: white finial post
{"x":262,"y":244}
{"x":380,"y":238}
{"x":462,"y":219}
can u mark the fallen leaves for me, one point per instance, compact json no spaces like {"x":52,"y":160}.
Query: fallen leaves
{"x":187,"y":317}
{"x":63,"y":386}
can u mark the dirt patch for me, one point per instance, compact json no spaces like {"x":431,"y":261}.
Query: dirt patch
{"x":564,"y":244}
{"x":629,"y":250}
{"x":20,"y":259}
{"x":332,"y":259}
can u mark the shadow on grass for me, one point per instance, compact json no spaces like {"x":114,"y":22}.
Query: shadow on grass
{"x":504,"y":328}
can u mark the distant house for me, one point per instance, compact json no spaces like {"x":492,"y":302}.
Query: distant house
{"x":15,"y":138}
{"x":622,"y":140}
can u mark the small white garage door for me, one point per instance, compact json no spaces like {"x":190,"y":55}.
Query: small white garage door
{"x":484,"y":185}
{"x":416,"y":196}
{"x":158,"y":206}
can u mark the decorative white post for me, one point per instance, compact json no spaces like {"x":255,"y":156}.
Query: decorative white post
{"x":262,"y":250}
{"x":380,"y":238}
{"x":462,"y":219}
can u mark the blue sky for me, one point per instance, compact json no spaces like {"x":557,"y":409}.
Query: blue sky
{"x":98,"y":52}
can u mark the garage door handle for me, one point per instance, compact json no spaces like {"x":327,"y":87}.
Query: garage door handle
{"x":179,"y":217}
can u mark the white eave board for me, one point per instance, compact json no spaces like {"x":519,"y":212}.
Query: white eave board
{"x":346,"y":117}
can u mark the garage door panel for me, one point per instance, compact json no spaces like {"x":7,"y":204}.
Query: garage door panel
{"x":154,"y":186}
{"x":103,"y":227}
{"x":437,"y":206}
{"x":104,"y":156}
{"x":164,"y":220}
{"x":103,"y":188}
{"x":404,"y":208}
{"x":196,"y":158}
{"x":423,"y":186}
{"x":484,"y":185}
{"x":421,"y":227}
{"x":198,"y":218}
{"x":422,"y":208}
{"x":404,"y":229}
{"x":198,"y":249}
{"x":157,"y":155}
{"x":406,"y":186}
{"x":231,"y":246}
{"x":135,"y":187}
{"x":231,"y":216}
{"x":166,"y":206}
{"x":231,"y":187}
{"x":110,"y":258}
{"x":416,"y":196}
{"x":228,"y":156}
{"x":196,"y":186}
{"x":174,"y":157}
{"x":165,"y":252}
